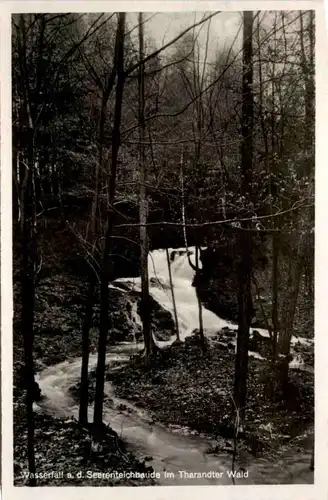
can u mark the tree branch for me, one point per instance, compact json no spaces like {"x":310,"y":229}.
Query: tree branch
{"x":218,"y":222}
{"x":168,"y":44}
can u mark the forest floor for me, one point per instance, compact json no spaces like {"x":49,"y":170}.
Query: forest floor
{"x":187,"y":390}
{"x":190,"y":391}
{"x":62,"y":444}
{"x":66,"y":455}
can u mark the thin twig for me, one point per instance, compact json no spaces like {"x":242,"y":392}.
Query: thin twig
{"x":218,"y":222}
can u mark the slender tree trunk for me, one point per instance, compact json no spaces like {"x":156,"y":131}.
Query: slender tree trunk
{"x":143,"y":206}
{"x":173,"y":296}
{"x":196,"y":267}
{"x":245,"y":244}
{"x":28,"y":268}
{"x":105,"y":273}
{"x":183,"y":208}
{"x":275,"y":244}
{"x":310,"y":120}
{"x":307,"y":62}
{"x":286,"y":332}
{"x":28,"y":249}
{"x":200,"y":307}
{"x":301,"y":245}
{"x":94,"y":231}
{"x":275,"y":251}
{"x":275,"y":277}
{"x":84,"y":387}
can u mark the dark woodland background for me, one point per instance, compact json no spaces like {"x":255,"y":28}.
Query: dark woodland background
{"x":120,"y":148}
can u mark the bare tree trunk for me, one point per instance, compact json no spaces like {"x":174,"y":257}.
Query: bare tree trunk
{"x":173,"y":296}
{"x":275,"y":277}
{"x":105,"y":271}
{"x":84,"y":386}
{"x":275,"y":237}
{"x":29,"y":252}
{"x":200,"y":307}
{"x":310,"y":121}
{"x":300,"y":255}
{"x":307,"y":63}
{"x":275,"y":245}
{"x":183,"y":208}
{"x":196,"y":267}
{"x":143,"y":206}
{"x":286,"y":331}
{"x":92,"y":237}
{"x":245,"y":244}
{"x":28,"y":277}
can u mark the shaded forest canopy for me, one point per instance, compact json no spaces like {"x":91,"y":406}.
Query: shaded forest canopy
{"x":122,"y":146}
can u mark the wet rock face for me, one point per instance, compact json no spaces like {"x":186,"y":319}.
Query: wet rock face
{"x":125,"y":316}
{"x":162,"y":323}
{"x":217,"y":283}
{"x":260,"y":344}
{"x":122,"y":320}
{"x":37,"y":396}
{"x":179,"y":253}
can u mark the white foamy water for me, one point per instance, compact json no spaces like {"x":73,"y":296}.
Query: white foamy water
{"x":185,"y":293}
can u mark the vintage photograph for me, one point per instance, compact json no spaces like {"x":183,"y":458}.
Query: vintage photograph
{"x":163,"y":168}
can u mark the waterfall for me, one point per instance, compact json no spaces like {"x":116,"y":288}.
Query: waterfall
{"x":185,"y":294}
{"x":184,"y":291}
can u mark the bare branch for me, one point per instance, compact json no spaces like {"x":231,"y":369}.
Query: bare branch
{"x":168,"y":44}
{"x":219,"y":222}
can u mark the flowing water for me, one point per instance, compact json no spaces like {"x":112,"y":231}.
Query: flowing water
{"x":172,"y":454}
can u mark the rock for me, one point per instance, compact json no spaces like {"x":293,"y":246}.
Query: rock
{"x":172,"y":256}
{"x":37,"y":396}
{"x":191,"y":341}
{"x":227,"y":332}
{"x":177,"y":343}
{"x":155,"y":283}
{"x":260,"y":338}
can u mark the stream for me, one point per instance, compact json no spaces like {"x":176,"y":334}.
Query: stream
{"x":174,"y":456}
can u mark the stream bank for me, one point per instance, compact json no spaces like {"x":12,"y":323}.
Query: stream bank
{"x":170,"y":451}
{"x":187,"y":381}
{"x":66,"y":456}
{"x":61,"y":444}
{"x":189,"y":394}
{"x":160,"y":411}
